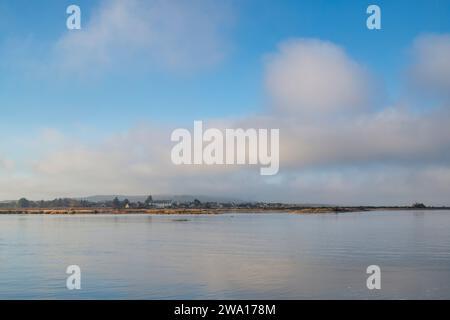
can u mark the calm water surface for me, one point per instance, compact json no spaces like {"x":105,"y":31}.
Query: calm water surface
{"x":231,"y":256}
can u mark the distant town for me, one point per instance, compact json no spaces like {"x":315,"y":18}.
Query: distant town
{"x":150,"y":205}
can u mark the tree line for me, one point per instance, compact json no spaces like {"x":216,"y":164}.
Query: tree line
{"x":24,"y":203}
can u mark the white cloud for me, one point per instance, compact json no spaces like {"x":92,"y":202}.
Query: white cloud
{"x":170,"y":34}
{"x":381,"y":185}
{"x":389,"y":136}
{"x":310,"y":76}
{"x":313,"y":76}
{"x":391,"y":156}
{"x":6,"y":164}
{"x":431,"y":64}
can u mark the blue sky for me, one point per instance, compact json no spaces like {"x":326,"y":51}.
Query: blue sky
{"x":98,"y":100}
{"x":232,"y":87}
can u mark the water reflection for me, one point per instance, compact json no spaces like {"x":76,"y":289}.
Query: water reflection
{"x":242,"y":256}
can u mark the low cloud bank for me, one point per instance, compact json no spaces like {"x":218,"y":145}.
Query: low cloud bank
{"x":335,"y":147}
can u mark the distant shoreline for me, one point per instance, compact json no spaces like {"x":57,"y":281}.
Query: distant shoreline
{"x":205,"y":211}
